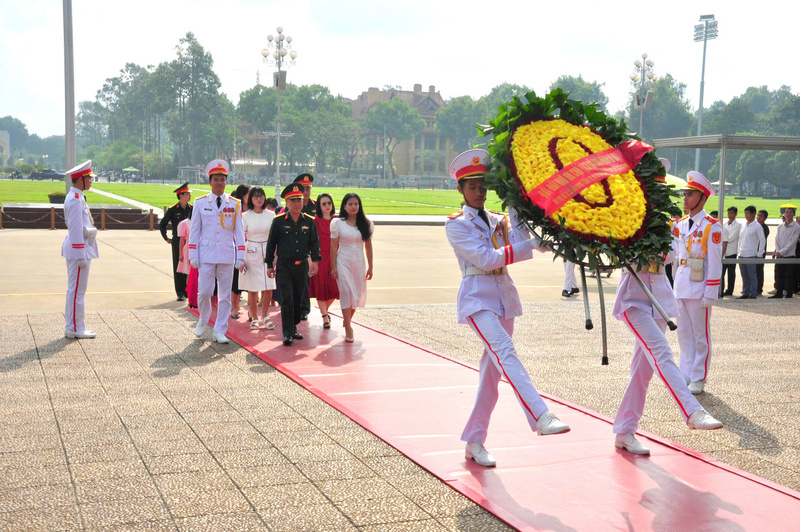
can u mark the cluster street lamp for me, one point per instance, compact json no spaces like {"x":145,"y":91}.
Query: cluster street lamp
{"x":642,"y":99}
{"x":703,"y":32}
{"x":278,"y":47}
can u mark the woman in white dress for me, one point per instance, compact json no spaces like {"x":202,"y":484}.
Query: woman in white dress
{"x":253,"y":275}
{"x":351,"y":236}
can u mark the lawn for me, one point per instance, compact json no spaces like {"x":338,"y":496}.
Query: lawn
{"x":37,"y":191}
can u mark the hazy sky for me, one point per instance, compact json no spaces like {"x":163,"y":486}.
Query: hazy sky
{"x":462,"y":48}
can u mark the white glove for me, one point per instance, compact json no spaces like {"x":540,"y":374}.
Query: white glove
{"x":239,"y":264}
{"x":194,"y":264}
{"x":706,"y":302}
{"x":82,"y":263}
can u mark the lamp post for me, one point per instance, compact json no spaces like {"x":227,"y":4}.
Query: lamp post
{"x":703,"y":32}
{"x":642,"y":99}
{"x":278,"y":47}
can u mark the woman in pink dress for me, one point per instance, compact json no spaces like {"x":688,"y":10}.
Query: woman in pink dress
{"x":351,"y":236}
{"x":184,"y":266}
{"x":323,"y":286}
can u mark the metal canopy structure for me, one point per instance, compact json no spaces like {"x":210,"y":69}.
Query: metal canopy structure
{"x":733,"y":142}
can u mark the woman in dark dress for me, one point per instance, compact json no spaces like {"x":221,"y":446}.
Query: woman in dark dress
{"x":323,"y":286}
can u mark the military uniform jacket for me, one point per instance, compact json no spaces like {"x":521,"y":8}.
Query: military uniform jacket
{"x":77,"y":216}
{"x":294,"y":241}
{"x":487,"y":249}
{"x":310,"y":208}
{"x":216,"y":235}
{"x":175,"y":214}
{"x":689,"y":244}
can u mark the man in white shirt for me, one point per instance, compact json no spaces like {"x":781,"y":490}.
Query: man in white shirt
{"x":786,"y":247}
{"x":752,"y":244}
{"x":730,"y":246}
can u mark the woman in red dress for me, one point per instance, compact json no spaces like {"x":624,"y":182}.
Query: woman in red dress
{"x":323,"y":286}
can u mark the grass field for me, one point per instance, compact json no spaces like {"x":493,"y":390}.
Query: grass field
{"x":375,"y":200}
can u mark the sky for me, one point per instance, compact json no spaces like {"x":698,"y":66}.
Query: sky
{"x":461,"y":48}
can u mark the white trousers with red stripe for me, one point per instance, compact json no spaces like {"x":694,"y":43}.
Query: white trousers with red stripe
{"x":209,"y":275}
{"x":651,"y":353}
{"x":499,"y":360}
{"x":694,"y":335}
{"x":77,"y":281}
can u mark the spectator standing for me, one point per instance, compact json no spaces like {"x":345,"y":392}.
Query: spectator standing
{"x":253,"y":278}
{"x":351,"y":236}
{"x":730,"y":246}
{"x":761,"y":218}
{"x":184,"y":266}
{"x":175,"y":215}
{"x":786,"y":247}
{"x":79,"y":248}
{"x":323,"y":286}
{"x":293,"y":236}
{"x":216,"y":249}
{"x":240,"y":194}
{"x":751,"y":245}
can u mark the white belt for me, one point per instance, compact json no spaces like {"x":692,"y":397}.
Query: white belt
{"x":472,"y":270}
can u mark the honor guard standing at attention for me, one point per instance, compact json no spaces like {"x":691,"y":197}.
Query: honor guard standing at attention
{"x":309,"y":208}
{"x":175,"y":215}
{"x":216,"y":246}
{"x":485,"y":244}
{"x":294,"y":236}
{"x":79,"y":248}
{"x":651,"y":353}
{"x":697,"y":271}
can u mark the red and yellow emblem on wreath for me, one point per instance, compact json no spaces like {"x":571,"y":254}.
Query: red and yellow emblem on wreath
{"x":716,"y":238}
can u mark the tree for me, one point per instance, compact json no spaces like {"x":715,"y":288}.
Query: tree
{"x":457,"y":121}
{"x":398,"y":120}
{"x":584,"y":91}
{"x":500,"y":95}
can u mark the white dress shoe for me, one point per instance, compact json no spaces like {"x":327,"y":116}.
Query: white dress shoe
{"x":221,"y":338}
{"x":696,"y":387}
{"x":476,"y":451}
{"x":630,"y":443}
{"x":702,"y":420}
{"x":200,"y":329}
{"x":548,"y":423}
{"x":79,"y":334}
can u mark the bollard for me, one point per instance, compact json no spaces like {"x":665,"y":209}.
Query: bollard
{"x":151,"y":220}
{"x":103,"y":219}
{"x":52,"y":218}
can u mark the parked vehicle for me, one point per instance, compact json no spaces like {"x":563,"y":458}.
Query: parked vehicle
{"x":48,"y":173}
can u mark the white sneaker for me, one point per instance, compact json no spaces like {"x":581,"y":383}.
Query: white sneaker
{"x":200,"y":329}
{"x":221,"y":338}
{"x":702,"y":420}
{"x":476,"y":451}
{"x":696,"y":387}
{"x":79,"y":334}
{"x":548,"y":423}
{"x":630,"y":443}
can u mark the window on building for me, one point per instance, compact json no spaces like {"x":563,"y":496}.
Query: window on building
{"x":416,"y":165}
{"x":430,"y":142}
{"x":442,"y":144}
{"x":417,"y":142}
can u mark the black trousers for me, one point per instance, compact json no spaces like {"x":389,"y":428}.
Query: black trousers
{"x":731,"y":270}
{"x":178,"y":278}
{"x":292,"y":281}
{"x":784,"y":278}
{"x":760,"y":276}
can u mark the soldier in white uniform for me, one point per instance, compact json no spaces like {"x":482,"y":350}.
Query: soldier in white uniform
{"x":216,"y":245}
{"x":485,"y":244}
{"x":651,"y":354}
{"x":79,"y":248}
{"x":697,"y":271}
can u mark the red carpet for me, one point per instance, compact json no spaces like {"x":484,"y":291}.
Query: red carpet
{"x":417,"y":401}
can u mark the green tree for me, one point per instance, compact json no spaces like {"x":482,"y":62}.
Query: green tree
{"x":582,"y":90}
{"x":501,"y":94}
{"x":398,"y":120}
{"x":457,"y":121}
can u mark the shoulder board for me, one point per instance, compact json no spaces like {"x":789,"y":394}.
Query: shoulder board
{"x":201,"y":197}
{"x":456,"y":214}
{"x":279,"y":215}
{"x":497,"y":213}
{"x":682,"y":219}
{"x":308,"y":215}
{"x":175,"y":205}
{"x":190,"y":205}
{"x":712,"y":220}
{"x":237,"y":200}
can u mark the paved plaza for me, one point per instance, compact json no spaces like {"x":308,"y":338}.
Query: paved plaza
{"x":147,"y":427}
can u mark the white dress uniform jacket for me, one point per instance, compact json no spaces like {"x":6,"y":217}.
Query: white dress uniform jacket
{"x":481,"y":248}
{"x":688,"y":243}
{"x":78,"y":217}
{"x":216,"y":235}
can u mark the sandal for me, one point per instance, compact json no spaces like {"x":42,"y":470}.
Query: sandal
{"x":235,"y":316}
{"x":254,"y":325}
{"x":268,"y":324}
{"x":326,"y":321}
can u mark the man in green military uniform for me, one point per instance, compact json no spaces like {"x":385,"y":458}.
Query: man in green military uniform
{"x":294,"y":235}
{"x":176,"y":214}
{"x":309,"y":208}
